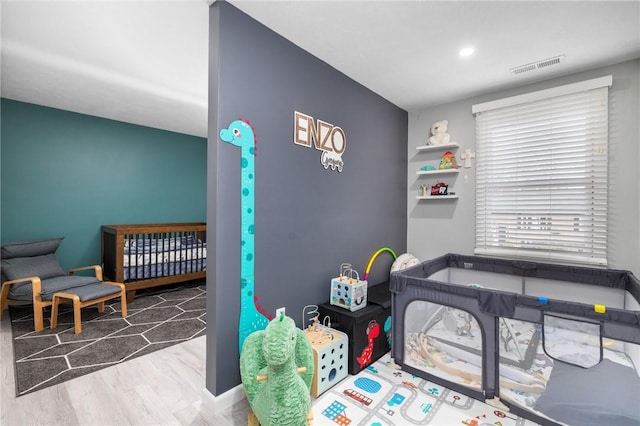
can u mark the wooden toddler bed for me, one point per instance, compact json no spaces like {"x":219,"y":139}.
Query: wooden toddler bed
{"x":149,"y":255}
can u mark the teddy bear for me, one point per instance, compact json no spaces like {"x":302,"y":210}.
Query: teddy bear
{"x":439,"y":133}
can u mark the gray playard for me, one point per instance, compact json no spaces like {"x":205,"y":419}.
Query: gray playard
{"x":552,"y":343}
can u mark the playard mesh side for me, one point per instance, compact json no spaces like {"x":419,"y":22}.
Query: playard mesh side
{"x":554,"y":343}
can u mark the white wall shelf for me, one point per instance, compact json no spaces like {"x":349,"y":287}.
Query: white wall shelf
{"x":437,"y":172}
{"x":436,"y":197}
{"x":437,"y":147}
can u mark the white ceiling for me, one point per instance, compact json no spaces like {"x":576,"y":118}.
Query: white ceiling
{"x":145,"y":62}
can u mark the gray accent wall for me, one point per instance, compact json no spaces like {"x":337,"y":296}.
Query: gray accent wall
{"x":308,"y":219}
{"x":435,"y":228}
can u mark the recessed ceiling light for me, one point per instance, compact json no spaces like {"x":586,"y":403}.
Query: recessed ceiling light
{"x":467,"y":51}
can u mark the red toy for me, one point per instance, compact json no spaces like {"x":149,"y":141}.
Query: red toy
{"x":439,"y":188}
{"x":373,"y":331}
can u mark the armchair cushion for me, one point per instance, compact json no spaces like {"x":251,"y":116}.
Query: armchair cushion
{"x":44,"y":267}
{"x":50,"y":286}
{"x":29,"y":248}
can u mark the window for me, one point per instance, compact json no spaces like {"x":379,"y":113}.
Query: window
{"x":541,"y":178}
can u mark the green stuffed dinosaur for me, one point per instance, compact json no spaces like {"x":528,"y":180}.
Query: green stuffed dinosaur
{"x":276,"y":367}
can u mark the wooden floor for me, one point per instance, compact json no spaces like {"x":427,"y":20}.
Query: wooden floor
{"x":165,"y":387}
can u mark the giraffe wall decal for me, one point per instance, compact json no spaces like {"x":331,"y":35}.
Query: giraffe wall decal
{"x":240,"y":133}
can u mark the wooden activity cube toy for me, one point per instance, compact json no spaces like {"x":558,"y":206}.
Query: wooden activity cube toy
{"x":330,"y":353}
{"x":349,"y":293}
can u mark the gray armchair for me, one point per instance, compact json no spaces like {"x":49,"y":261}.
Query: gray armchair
{"x":31,"y":273}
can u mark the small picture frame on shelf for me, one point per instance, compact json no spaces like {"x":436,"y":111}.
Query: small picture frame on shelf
{"x":439,"y":189}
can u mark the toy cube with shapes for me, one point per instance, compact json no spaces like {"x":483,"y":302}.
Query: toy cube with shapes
{"x":330,"y":350}
{"x":348,"y":292}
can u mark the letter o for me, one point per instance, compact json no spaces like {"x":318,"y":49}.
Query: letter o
{"x":341,"y":144}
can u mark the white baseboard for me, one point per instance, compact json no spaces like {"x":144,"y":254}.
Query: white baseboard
{"x":225,"y":400}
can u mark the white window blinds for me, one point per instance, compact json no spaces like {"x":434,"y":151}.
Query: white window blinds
{"x":541,"y":182}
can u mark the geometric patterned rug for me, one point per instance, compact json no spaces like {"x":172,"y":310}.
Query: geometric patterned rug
{"x":157,"y":318}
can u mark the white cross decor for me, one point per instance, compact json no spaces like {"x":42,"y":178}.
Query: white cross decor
{"x":467,"y":155}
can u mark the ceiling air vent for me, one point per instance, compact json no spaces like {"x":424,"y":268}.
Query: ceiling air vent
{"x":537,"y":65}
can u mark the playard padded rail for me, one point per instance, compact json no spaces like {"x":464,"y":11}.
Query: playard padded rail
{"x":503,"y":303}
{"x":496,"y":291}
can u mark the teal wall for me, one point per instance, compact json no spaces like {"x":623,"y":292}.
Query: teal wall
{"x":66,"y":174}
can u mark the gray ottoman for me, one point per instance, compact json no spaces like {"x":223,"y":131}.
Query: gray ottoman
{"x":88,"y":295}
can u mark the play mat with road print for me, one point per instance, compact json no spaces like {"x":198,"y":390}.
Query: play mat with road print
{"x":384,"y":395}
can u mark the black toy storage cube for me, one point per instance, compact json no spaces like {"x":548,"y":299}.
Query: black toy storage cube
{"x":365,"y":327}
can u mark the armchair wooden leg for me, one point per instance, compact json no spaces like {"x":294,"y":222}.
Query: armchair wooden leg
{"x":123,"y":301}
{"x":38,"y":315}
{"x":4,"y":295}
{"x":77,"y":316}
{"x":101,"y":307}
{"x":123,"y":305}
{"x":54,"y":311}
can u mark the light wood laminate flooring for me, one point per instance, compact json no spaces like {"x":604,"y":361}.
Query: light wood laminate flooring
{"x":165,"y":387}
